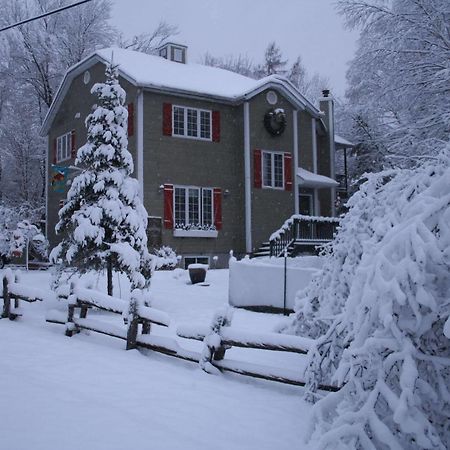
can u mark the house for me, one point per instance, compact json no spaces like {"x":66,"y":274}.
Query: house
{"x":221,"y":159}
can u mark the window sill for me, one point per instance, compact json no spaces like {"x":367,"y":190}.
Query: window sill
{"x":195,"y":233}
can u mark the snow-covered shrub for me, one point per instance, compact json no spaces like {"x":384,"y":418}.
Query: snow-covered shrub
{"x":213,"y":341}
{"x":104,"y":220}
{"x":27,"y":232}
{"x":378,"y":312}
{"x":166,"y":258}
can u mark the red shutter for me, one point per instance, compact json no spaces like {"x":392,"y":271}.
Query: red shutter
{"x":217,"y":192}
{"x":288,"y":172}
{"x":73,"y":148}
{"x":216,"y":126}
{"x":167,"y":119}
{"x":130,"y":127}
{"x":257,"y":180}
{"x":168,"y":206}
{"x":54,"y":151}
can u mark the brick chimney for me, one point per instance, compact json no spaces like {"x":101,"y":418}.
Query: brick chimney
{"x":173,"y":52}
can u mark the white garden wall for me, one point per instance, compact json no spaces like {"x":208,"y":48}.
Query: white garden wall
{"x":259,"y":282}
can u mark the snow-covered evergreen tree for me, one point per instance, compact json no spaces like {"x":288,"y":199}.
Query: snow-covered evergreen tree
{"x":104,"y":222}
{"x":379,"y":312}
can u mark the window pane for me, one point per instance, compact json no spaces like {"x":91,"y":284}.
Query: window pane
{"x":278,"y":170}
{"x":267,"y":169}
{"x":194,"y":216}
{"x":205,"y":124}
{"x":178,"y":55}
{"x":207,"y":207}
{"x":178,"y":121}
{"x":180,"y":207}
{"x":192,"y":122}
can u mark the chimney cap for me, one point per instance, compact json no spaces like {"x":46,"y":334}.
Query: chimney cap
{"x":326,"y":92}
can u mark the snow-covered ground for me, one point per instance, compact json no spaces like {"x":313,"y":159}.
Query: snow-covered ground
{"x":88,"y":392}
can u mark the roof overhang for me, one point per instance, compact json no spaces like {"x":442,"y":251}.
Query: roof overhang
{"x":309,"y":179}
{"x":340,"y":142}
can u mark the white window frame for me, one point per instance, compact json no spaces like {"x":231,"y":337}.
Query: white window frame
{"x":200,"y":204}
{"x":64,"y":154}
{"x":272,"y":175}
{"x":185,"y":122}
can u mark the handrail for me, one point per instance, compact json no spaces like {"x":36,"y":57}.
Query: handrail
{"x":302,"y":230}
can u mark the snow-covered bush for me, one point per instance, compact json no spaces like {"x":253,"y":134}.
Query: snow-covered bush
{"x":37,"y":243}
{"x":104,"y":220}
{"x":165,"y":258}
{"x":378,"y":312}
{"x":212,"y":342}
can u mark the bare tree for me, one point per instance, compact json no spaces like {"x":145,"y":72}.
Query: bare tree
{"x":149,"y":42}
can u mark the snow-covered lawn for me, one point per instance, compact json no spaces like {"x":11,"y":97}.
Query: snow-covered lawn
{"x":88,"y":392}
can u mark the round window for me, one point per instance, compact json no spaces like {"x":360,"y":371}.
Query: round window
{"x":272,"y":98}
{"x":86,"y":77}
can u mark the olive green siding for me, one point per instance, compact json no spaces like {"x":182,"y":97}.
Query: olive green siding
{"x":305,"y":146}
{"x":191,"y":162}
{"x":270,"y":207}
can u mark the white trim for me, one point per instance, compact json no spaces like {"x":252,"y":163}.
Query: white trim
{"x":272,"y":174}
{"x":68,"y":149}
{"x":140,"y":142}
{"x":185,"y":123}
{"x":295,"y":151}
{"x":247,"y":180}
{"x":177,"y":232}
{"x":316,"y":203}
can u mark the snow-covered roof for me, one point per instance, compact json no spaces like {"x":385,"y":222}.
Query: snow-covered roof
{"x":342,"y":142}
{"x":156,"y":73}
{"x":313,"y":180}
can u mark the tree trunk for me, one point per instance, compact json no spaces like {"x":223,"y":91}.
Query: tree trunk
{"x":109,"y":276}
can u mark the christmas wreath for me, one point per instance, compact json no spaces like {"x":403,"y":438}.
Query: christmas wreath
{"x":275,"y":121}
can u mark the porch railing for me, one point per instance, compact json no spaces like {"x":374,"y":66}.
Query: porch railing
{"x":302,"y":230}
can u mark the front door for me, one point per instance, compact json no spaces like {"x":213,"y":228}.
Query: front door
{"x":305,"y":209}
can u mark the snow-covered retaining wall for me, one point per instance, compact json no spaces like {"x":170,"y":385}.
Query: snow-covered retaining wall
{"x":259,"y":282}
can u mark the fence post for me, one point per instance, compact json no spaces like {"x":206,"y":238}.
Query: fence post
{"x":6,"y":298}
{"x":70,"y":326}
{"x":133,"y":323}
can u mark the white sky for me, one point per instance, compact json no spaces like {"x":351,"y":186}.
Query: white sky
{"x":309,"y":28}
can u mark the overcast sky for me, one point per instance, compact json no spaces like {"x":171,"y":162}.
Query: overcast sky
{"x":309,"y":28}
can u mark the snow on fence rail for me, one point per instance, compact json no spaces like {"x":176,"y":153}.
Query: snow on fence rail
{"x":13,"y":290}
{"x":219,"y":337}
{"x":134,"y":313}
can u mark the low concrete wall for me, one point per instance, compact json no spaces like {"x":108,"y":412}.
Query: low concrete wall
{"x":259,"y":282}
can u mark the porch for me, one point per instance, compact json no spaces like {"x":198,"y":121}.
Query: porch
{"x":302,"y":234}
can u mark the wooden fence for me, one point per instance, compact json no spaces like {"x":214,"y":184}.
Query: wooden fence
{"x":13,"y":292}
{"x":138,"y":319}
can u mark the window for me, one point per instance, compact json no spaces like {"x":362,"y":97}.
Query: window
{"x":191,"y":122}
{"x":63,"y":147}
{"x":193,"y":208}
{"x":178,"y":54}
{"x":273,"y":170}
{"x":195,"y":260}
